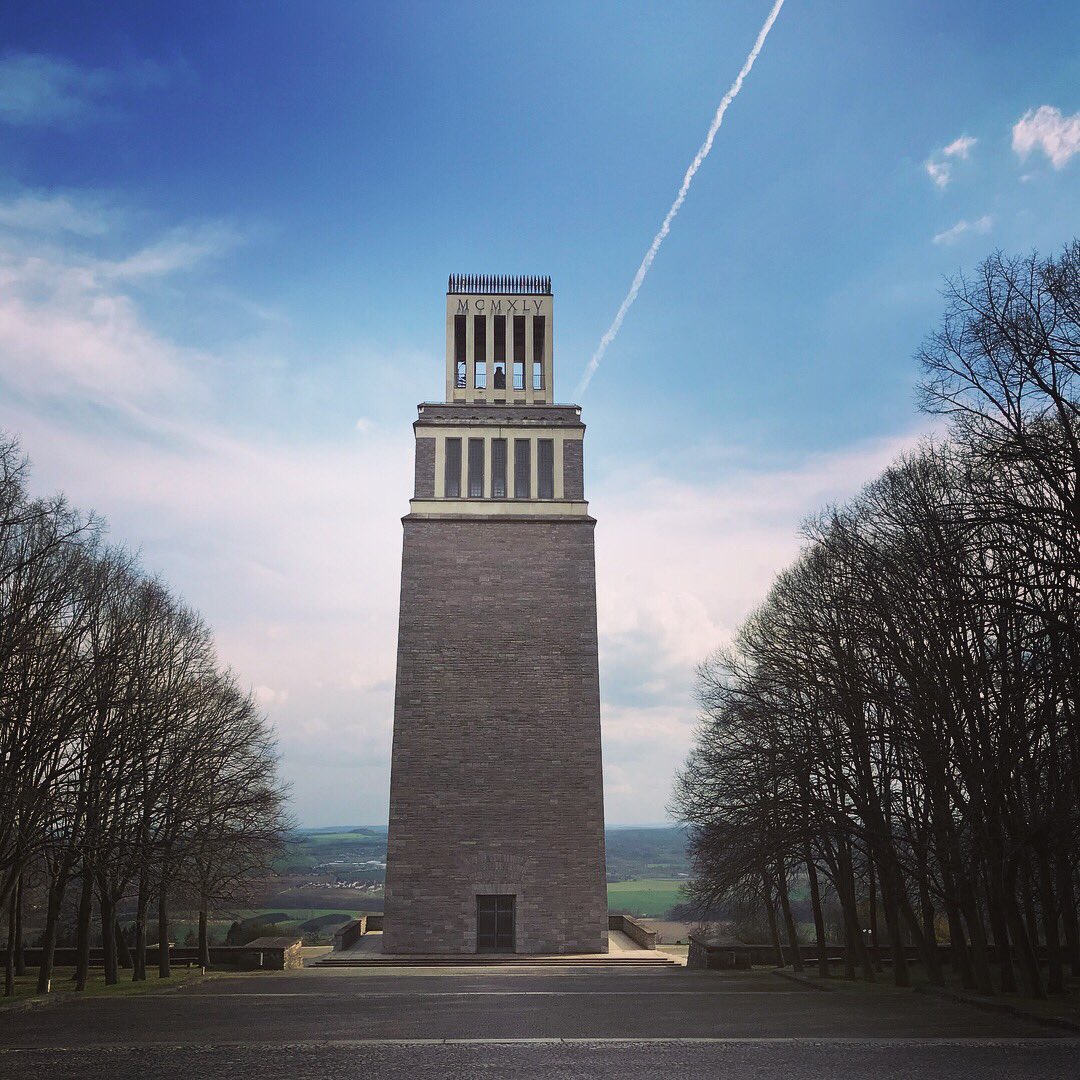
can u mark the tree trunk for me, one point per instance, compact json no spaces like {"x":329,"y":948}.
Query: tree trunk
{"x":789,"y":920}
{"x":1000,"y":927}
{"x":163,"y":935}
{"x":57,"y":889}
{"x":929,"y":916}
{"x":959,"y":958}
{"x":875,"y":943}
{"x":20,"y":954}
{"x":142,"y":903}
{"x":9,"y":959}
{"x":770,"y":911}
{"x":976,"y":930}
{"x":819,"y":918}
{"x":1068,"y":914}
{"x":1055,"y":982}
{"x":123,"y":953}
{"x":108,"y":936}
{"x":901,"y":972}
{"x":1030,"y":976}
{"x":204,"y":938}
{"x":845,"y":891}
{"x":1029,"y":889}
{"x":86,"y":911}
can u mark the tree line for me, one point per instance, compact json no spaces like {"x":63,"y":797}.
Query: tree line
{"x":133,"y":768}
{"x":896,"y":725}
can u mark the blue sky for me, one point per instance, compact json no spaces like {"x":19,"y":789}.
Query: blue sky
{"x":225,"y":231}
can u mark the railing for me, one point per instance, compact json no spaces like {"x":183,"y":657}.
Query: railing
{"x":500,"y":284}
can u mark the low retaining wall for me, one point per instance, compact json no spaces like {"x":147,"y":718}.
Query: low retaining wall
{"x":706,"y":953}
{"x":633,"y":930}
{"x":349,"y":934}
{"x":719,"y":955}
{"x":267,"y":954}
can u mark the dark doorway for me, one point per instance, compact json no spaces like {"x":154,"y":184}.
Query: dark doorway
{"x":495,"y":924}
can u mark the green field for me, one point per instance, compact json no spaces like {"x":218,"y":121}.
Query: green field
{"x":336,"y":839}
{"x":651,"y":897}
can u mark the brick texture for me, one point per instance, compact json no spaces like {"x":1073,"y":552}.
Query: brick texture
{"x":496,"y":783}
{"x":573,"y":469}
{"x":424,"y":479}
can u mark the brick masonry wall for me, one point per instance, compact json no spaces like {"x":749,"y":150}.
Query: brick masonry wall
{"x":424,"y":478}
{"x":496,"y":780}
{"x":574,"y":470}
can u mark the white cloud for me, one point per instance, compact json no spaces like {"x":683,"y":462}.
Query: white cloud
{"x":1046,"y":129}
{"x":267,"y":695}
{"x":939,"y":170}
{"x":291,"y":546}
{"x":181,"y":249}
{"x":362,"y":424}
{"x":68,"y":328}
{"x":50,"y":214}
{"x":979,"y":227}
{"x":960,"y":148}
{"x":47,"y":90}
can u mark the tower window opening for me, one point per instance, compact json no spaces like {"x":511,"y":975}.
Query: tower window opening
{"x":499,"y":351}
{"x":522,"y":469}
{"x":545,"y":468}
{"x":476,"y":468}
{"x":498,"y":468}
{"x":459,"y":351}
{"x":452,"y":477}
{"x":519,"y":340}
{"x":539,"y":329}
{"x":499,"y":375}
{"x":481,"y":375}
{"x":480,"y":348}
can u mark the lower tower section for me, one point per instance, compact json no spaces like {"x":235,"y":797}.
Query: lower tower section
{"x":496,"y":834}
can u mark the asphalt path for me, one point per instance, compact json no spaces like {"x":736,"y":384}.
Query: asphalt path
{"x":419,"y":1023}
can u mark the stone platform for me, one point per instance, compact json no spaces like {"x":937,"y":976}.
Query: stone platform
{"x":623,"y":953}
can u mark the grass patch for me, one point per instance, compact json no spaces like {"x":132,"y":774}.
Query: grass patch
{"x":63,"y":986}
{"x":648,"y":897}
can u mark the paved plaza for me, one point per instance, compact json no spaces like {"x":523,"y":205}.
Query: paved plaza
{"x":419,"y":1023}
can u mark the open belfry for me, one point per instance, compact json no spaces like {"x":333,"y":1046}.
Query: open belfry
{"x":496,"y":839}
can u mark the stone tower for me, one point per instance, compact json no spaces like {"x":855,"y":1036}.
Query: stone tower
{"x":496,"y":838}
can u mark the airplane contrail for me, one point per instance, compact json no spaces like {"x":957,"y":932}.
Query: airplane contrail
{"x":658,"y":239}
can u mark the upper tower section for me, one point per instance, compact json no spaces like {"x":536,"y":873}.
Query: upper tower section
{"x":498,"y":340}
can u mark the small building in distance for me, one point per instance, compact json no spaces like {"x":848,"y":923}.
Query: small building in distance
{"x":496,"y":834}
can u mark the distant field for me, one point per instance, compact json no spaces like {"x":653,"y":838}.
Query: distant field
{"x":330,"y":839}
{"x":299,"y":915}
{"x":651,"y":897}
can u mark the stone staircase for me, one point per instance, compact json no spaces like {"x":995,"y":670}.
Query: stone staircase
{"x":636,"y":961}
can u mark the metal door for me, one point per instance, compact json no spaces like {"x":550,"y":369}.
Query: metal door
{"x":495,"y":924}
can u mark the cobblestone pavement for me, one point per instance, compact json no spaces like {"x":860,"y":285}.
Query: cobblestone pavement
{"x":460,"y":1023}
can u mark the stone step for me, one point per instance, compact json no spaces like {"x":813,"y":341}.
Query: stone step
{"x":622,"y":962}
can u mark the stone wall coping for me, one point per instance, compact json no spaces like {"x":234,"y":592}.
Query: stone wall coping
{"x":433,"y":414}
{"x":518,"y":519}
{"x":272,"y":943}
